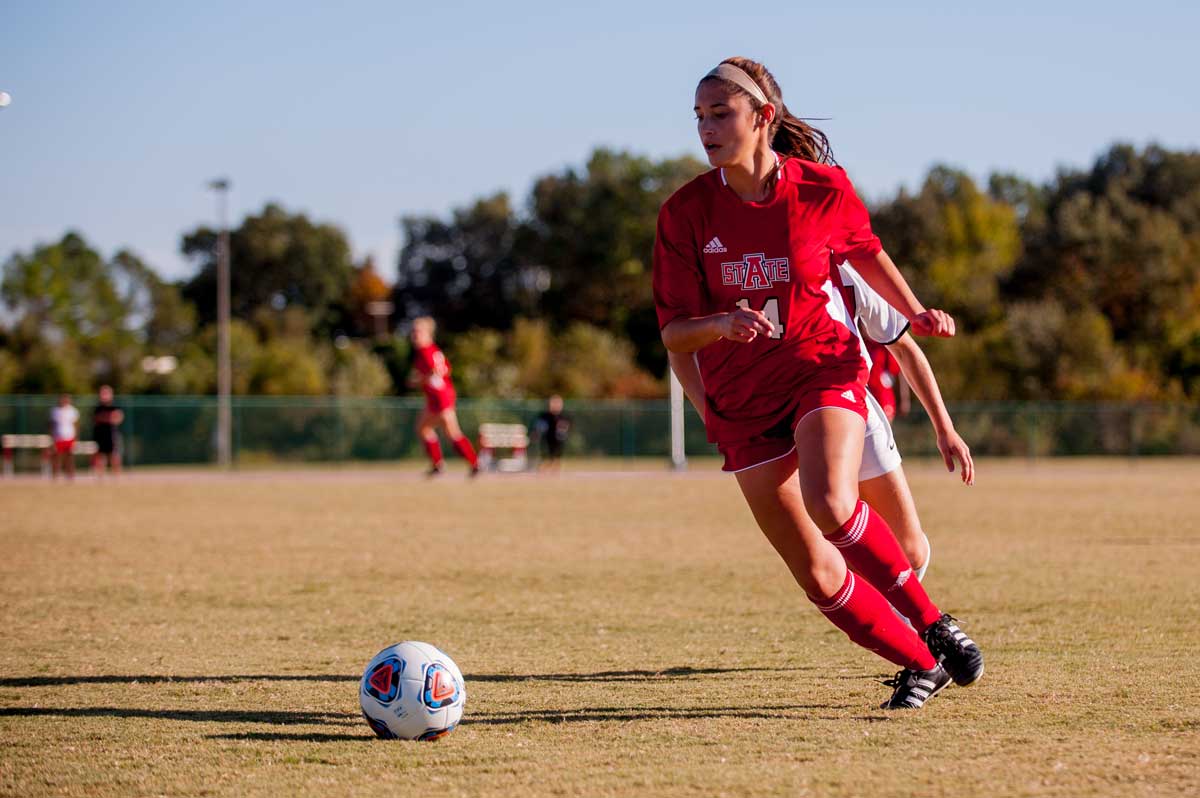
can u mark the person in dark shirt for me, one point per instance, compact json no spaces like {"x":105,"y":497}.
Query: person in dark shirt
{"x":106,"y":430}
{"x":552,"y":428}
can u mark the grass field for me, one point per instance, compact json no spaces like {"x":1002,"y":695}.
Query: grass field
{"x":620,"y":634}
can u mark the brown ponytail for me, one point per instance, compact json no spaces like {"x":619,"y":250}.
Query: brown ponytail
{"x":791,"y":136}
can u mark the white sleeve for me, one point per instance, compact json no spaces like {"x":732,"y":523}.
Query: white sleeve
{"x":881,"y":322}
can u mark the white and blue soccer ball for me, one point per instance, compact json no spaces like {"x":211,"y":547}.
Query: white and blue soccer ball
{"x":412,"y":691}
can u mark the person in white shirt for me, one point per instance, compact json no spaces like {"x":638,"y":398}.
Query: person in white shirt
{"x":882,"y":483}
{"x":64,"y":421}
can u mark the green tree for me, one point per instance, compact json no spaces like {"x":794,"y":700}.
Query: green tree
{"x":955,"y":243}
{"x":584,"y":361}
{"x":354,"y":371}
{"x":463,"y":271}
{"x":277,"y":259}
{"x":80,"y":320}
{"x":594,"y":233}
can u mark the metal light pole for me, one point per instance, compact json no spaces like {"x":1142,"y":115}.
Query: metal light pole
{"x":224,"y":373}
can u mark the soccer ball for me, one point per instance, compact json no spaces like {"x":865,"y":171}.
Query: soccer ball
{"x":412,"y":691}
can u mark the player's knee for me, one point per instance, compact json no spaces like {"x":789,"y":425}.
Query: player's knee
{"x":831,"y":508}
{"x":824,"y":577}
{"x":915,"y":549}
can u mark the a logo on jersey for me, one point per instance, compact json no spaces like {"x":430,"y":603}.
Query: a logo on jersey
{"x":714,"y":246}
{"x":756,"y":271}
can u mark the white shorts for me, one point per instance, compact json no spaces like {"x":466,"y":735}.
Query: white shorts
{"x":880,"y":455}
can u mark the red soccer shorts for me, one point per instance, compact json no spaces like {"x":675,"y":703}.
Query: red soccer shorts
{"x":437,"y":401}
{"x":780,"y":440}
{"x":65,"y":446}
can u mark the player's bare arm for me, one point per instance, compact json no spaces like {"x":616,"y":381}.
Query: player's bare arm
{"x":881,"y":274}
{"x":742,"y":326}
{"x":919,"y":374}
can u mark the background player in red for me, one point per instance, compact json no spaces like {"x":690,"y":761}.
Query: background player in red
{"x":431,"y":371}
{"x":742,"y":258}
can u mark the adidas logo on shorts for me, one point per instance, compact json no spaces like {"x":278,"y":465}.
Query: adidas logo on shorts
{"x":849,"y":395}
{"x":714,"y":246}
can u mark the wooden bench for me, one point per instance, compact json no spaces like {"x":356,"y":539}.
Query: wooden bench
{"x":513,"y":437}
{"x":44,"y":444}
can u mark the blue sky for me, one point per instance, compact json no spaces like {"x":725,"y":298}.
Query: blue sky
{"x":359,"y":112}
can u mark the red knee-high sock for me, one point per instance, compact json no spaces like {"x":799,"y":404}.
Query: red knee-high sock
{"x":871,"y":549}
{"x":463,"y":446}
{"x":433,"y":448}
{"x":866,"y":617}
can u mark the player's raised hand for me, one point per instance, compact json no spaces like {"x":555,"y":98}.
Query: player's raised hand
{"x":954,"y":448}
{"x":937,"y":323}
{"x":744,"y":325}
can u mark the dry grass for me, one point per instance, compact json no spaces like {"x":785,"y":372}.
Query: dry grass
{"x":179,"y":636}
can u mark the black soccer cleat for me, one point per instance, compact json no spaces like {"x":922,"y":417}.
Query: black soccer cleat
{"x":914,"y":688}
{"x":957,"y":653}
{"x":435,"y":471}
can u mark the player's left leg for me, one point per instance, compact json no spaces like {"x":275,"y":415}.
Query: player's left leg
{"x":889,"y":496}
{"x":462,"y":444}
{"x":832,"y":440}
{"x":69,"y":459}
{"x":882,"y":485}
{"x":426,"y":423}
{"x":853,"y":605}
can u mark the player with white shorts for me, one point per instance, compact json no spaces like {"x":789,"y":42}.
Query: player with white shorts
{"x":882,"y":482}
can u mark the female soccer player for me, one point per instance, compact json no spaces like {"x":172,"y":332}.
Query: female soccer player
{"x":741,"y":258}
{"x":431,"y":371}
{"x":881,"y":479}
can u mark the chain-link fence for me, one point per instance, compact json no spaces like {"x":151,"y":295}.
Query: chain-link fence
{"x":182,"y":429}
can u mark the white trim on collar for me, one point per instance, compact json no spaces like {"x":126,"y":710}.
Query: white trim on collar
{"x":725,"y":182}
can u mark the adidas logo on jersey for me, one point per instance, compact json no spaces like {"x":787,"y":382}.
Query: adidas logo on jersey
{"x":714,"y":246}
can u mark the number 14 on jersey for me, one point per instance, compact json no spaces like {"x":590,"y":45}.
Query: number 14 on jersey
{"x":770,"y":309}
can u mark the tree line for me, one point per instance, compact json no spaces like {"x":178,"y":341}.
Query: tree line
{"x":1086,"y":286}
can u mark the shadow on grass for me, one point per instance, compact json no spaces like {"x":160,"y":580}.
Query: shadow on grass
{"x":58,"y":681}
{"x":624,"y":676}
{"x":367,"y":736}
{"x":576,"y":715}
{"x":279,"y":718}
{"x":779,"y":712}
{"x":601,"y":676}
{"x":601,"y":714}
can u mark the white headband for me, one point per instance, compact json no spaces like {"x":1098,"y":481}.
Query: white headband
{"x":739,"y":77}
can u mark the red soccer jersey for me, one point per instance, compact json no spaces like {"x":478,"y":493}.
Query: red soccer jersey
{"x":429,"y":360}
{"x":715,"y":252}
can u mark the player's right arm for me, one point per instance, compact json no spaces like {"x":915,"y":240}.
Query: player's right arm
{"x":681,"y":297}
{"x":920,"y":377}
{"x":688,"y":374}
{"x":743,"y":325}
